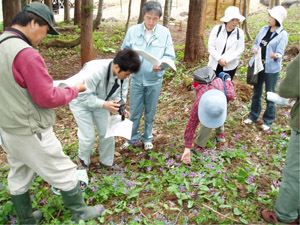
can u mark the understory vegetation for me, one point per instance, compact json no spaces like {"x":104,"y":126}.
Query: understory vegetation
{"x":228,"y":184}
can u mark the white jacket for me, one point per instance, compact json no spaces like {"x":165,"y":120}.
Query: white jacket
{"x":234,"y":48}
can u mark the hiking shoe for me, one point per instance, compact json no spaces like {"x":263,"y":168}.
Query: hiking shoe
{"x":265,"y":127}
{"x":270,"y":217}
{"x":248,"y":121}
{"x":81,"y":164}
{"x":221,"y":138}
{"x":198,"y":149}
{"x":127,"y":144}
{"x":148,"y":145}
{"x":113,"y":167}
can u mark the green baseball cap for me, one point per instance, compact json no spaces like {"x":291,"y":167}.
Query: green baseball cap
{"x":44,"y":12}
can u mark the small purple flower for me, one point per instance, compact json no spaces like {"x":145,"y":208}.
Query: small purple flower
{"x":191,"y":193}
{"x":183,"y":175}
{"x":237,"y":137}
{"x":166,"y":155}
{"x":276,"y":183}
{"x":171,"y":203}
{"x":170,"y":162}
{"x":149,"y":168}
{"x":250,"y":179}
{"x":182,"y":189}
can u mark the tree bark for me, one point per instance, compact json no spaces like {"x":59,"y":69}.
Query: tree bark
{"x":98,"y":18}
{"x":194,"y":45}
{"x":141,"y":16}
{"x":67,"y":17}
{"x":246,"y":20}
{"x":77,"y":12}
{"x":129,"y":13}
{"x":48,"y":3}
{"x":271,"y":4}
{"x":23,"y":3}
{"x":10,"y":9}
{"x":86,"y":40}
{"x":167,"y":12}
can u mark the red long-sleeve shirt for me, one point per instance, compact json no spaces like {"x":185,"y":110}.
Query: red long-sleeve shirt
{"x":30,"y":72}
{"x":200,"y":90}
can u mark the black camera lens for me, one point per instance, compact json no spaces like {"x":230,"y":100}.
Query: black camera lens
{"x":122,"y":109}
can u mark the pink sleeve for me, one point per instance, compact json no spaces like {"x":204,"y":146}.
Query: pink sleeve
{"x":30,"y":72}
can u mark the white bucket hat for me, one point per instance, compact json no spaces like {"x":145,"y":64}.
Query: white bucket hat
{"x":278,"y":13}
{"x":232,"y":12}
{"x":212,"y":109}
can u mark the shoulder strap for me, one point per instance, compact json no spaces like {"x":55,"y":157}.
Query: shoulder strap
{"x":14,"y":36}
{"x":238,"y":34}
{"x":219,"y":30}
{"x":275,"y":35}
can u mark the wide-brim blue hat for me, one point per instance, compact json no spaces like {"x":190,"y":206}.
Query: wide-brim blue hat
{"x":212,"y":109}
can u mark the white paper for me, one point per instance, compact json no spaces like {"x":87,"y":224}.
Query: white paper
{"x":82,"y":176}
{"x":154,"y":61}
{"x":258,"y":66}
{"x":117,"y":127}
{"x":70,"y":82}
{"x":273,"y":97}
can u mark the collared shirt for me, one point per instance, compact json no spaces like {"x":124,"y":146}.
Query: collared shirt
{"x":276,"y":45}
{"x":160,"y":46}
{"x":148,"y":33}
{"x":194,"y":119}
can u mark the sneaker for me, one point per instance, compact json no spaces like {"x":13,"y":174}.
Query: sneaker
{"x":148,"y":145}
{"x":270,"y":217}
{"x":248,"y":121}
{"x":265,"y":127}
{"x":221,"y":138}
{"x":127,"y":144}
{"x":198,"y":149}
{"x":113,"y":167}
{"x":81,"y":164}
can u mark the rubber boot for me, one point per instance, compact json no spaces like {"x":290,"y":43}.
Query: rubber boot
{"x":22,"y":205}
{"x":74,"y":201}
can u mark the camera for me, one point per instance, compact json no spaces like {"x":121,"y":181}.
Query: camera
{"x":122,"y":109}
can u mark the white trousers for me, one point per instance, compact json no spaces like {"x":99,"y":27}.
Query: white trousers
{"x":38,"y":154}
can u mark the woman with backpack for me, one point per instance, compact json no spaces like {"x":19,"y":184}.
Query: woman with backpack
{"x":270,"y":42}
{"x":226,"y":43}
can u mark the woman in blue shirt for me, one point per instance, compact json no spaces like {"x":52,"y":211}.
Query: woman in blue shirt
{"x":272,"y":40}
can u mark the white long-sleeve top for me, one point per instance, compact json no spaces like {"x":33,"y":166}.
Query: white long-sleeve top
{"x":234,"y":47}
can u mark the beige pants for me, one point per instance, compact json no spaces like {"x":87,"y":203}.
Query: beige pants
{"x":37,"y":154}
{"x":204,"y":134}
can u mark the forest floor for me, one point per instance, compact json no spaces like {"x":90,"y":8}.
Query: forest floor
{"x":172,"y":115}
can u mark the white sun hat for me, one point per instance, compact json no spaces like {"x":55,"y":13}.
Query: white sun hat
{"x":232,"y":12}
{"x":212,"y":109}
{"x":278,"y":13}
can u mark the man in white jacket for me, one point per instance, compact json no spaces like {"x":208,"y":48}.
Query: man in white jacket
{"x":103,"y":79}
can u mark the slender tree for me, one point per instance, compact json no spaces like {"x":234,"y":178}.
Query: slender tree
{"x":86,"y":40}
{"x":194,"y":45}
{"x":141,"y":16}
{"x":67,"y":17}
{"x":98,"y":18}
{"x":129,"y":12}
{"x":167,"y":12}
{"x":10,"y":9}
{"x":77,"y":12}
{"x":48,"y":3}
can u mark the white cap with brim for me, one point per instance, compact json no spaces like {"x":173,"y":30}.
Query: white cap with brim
{"x":278,"y":13}
{"x":212,"y":109}
{"x":232,"y":12}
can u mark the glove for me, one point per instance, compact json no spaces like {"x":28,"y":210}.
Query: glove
{"x":224,"y":76}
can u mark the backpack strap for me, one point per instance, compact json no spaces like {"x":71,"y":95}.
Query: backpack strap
{"x":237,"y":33}
{"x":9,"y":37}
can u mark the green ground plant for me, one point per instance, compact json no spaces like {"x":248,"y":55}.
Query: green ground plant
{"x":227,"y":184}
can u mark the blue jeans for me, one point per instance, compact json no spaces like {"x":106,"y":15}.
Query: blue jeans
{"x":143,"y":98}
{"x":270,"y":80}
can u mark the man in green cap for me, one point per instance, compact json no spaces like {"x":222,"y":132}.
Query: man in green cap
{"x":26,"y":121}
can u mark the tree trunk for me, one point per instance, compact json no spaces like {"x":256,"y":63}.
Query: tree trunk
{"x":48,"y":3}
{"x":23,"y":3}
{"x":246,"y":20}
{"x":194,"y":45}
{"x":86,"y":40}
{"x":271,"y":4}
{"x":10,"y":9}
{"x":277,"y":2}
{"x":128,"y":18}
{"x":67,"y":11}
{"x":141,"y":16}
{"x":77,"y":12}
{"x":167,"y":12}
{"x":98,"y":19}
